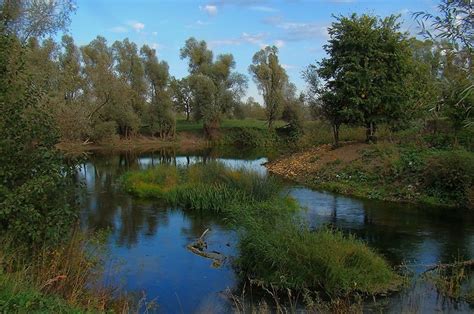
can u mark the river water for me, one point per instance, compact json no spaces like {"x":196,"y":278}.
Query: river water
{"x":147,"y":240}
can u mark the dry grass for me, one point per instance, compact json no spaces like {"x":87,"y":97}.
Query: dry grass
{"x":72,"y":271}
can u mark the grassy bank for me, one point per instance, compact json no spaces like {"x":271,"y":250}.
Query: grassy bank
{"x":386,"y":171}
{"x":62,"y":278}
{"x":276,"y":249}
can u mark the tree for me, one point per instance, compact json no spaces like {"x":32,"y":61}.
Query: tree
{"x":160,"y":116}
{"x":366,"y":69}
{"x":293,"y":110}
{"x":270,"y":78}
{"x":455,"y":24}
{"x":215,"y":86}
{"x":182,"y":95}
{"x":130,"y":70}
{"x":34,"y":181}
{"x":27,"y":19}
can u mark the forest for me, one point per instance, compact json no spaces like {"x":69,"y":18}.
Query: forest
{"x":386,"y":116}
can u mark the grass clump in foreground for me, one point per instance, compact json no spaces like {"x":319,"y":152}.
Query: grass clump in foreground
{"x":62,"y":278}
{"x":276,"y":248}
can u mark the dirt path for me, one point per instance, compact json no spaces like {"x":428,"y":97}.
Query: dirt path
{"x":303,"y":165}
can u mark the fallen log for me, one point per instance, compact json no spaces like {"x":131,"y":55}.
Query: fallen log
{"x":198,"y":247}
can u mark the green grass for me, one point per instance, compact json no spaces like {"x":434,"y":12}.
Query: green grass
{"x":403,"y":173}
{"x":20,"y":297}
{"x":276,"y":249}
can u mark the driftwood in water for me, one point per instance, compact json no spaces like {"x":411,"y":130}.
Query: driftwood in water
{"x":198,"y":247}
{"x":468,"y":263}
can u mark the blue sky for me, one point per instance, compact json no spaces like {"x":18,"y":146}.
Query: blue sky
{"x":240,"y":27}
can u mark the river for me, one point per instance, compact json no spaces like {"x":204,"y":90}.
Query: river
{"x":147,"y":240}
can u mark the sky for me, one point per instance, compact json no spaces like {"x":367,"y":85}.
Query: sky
{"x":241,"y":27}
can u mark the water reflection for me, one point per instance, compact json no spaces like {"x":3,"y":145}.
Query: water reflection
{"x":150,"y":238}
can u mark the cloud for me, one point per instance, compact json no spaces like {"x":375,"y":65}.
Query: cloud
{"x":296,"y":31}
{"x":210,"y":9}
{"x":154,"y":33}
{"x":279,"y":43}
{"x":137,"y":26}
{"x":198,"y":24}
{"x":288,"y":66}
{"x":119,"y":29}
{"x":246,"y":38}
{"x":262,"y":8}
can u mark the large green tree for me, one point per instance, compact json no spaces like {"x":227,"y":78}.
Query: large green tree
{"x":366,"y":69}
{"x":270,"y":78}
{"x":34,"y":180}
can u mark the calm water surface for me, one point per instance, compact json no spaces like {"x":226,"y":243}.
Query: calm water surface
{"x":147,"y":241}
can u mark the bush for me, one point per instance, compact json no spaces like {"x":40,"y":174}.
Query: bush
{"x":104,"y":131}
{"x":250,"y":137}
{"x":450,"y":175}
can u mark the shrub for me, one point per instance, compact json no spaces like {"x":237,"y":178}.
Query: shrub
{"x":450,"y":174}
{"x":104,"y":131}
{"x":250,"y":137}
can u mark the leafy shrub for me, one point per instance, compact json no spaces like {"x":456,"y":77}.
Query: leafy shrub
{"x":250,"y":137}
{"x":450,"y":174}
{"x":104,"y":131}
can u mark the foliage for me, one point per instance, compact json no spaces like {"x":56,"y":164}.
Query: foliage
{"x":34,"y":180}
{"x":450,"y":175}
{"x":454,"y":22}
{"x":216,"y":89}
{"x":250,"y":137}
{"x":270,"y":78}
{"x":26,"y":19}
{"x":360,"y":84}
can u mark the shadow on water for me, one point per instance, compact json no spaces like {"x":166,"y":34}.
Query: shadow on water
{"x":148,"y":239}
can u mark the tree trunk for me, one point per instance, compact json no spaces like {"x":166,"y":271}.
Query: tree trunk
{"x":335,"y":132}
{"x":211,"y":129}
{"x":370,"y":133}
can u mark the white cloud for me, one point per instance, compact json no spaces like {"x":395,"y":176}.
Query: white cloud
{"x":119,"y":29}
{"x":288,"y":66}
{"x":137,"y":26}
{"x":154,"y":33}
{"x":246,"y":38}
{"x":210,"y":9}
{"x":279,"y":43}
{"x":295,"y":31}
{"x":262,"y":8}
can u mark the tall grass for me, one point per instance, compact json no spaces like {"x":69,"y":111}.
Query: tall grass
{"x":276,"y":249}
{"x":63,"y":278}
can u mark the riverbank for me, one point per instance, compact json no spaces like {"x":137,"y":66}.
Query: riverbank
{"x":384,"y":171}
{"x":186,"y":141}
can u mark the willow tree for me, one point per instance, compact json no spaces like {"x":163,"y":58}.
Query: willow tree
{"x":216,"y":87}
{"x":270,"y":78}
{"x":160,"y":115}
